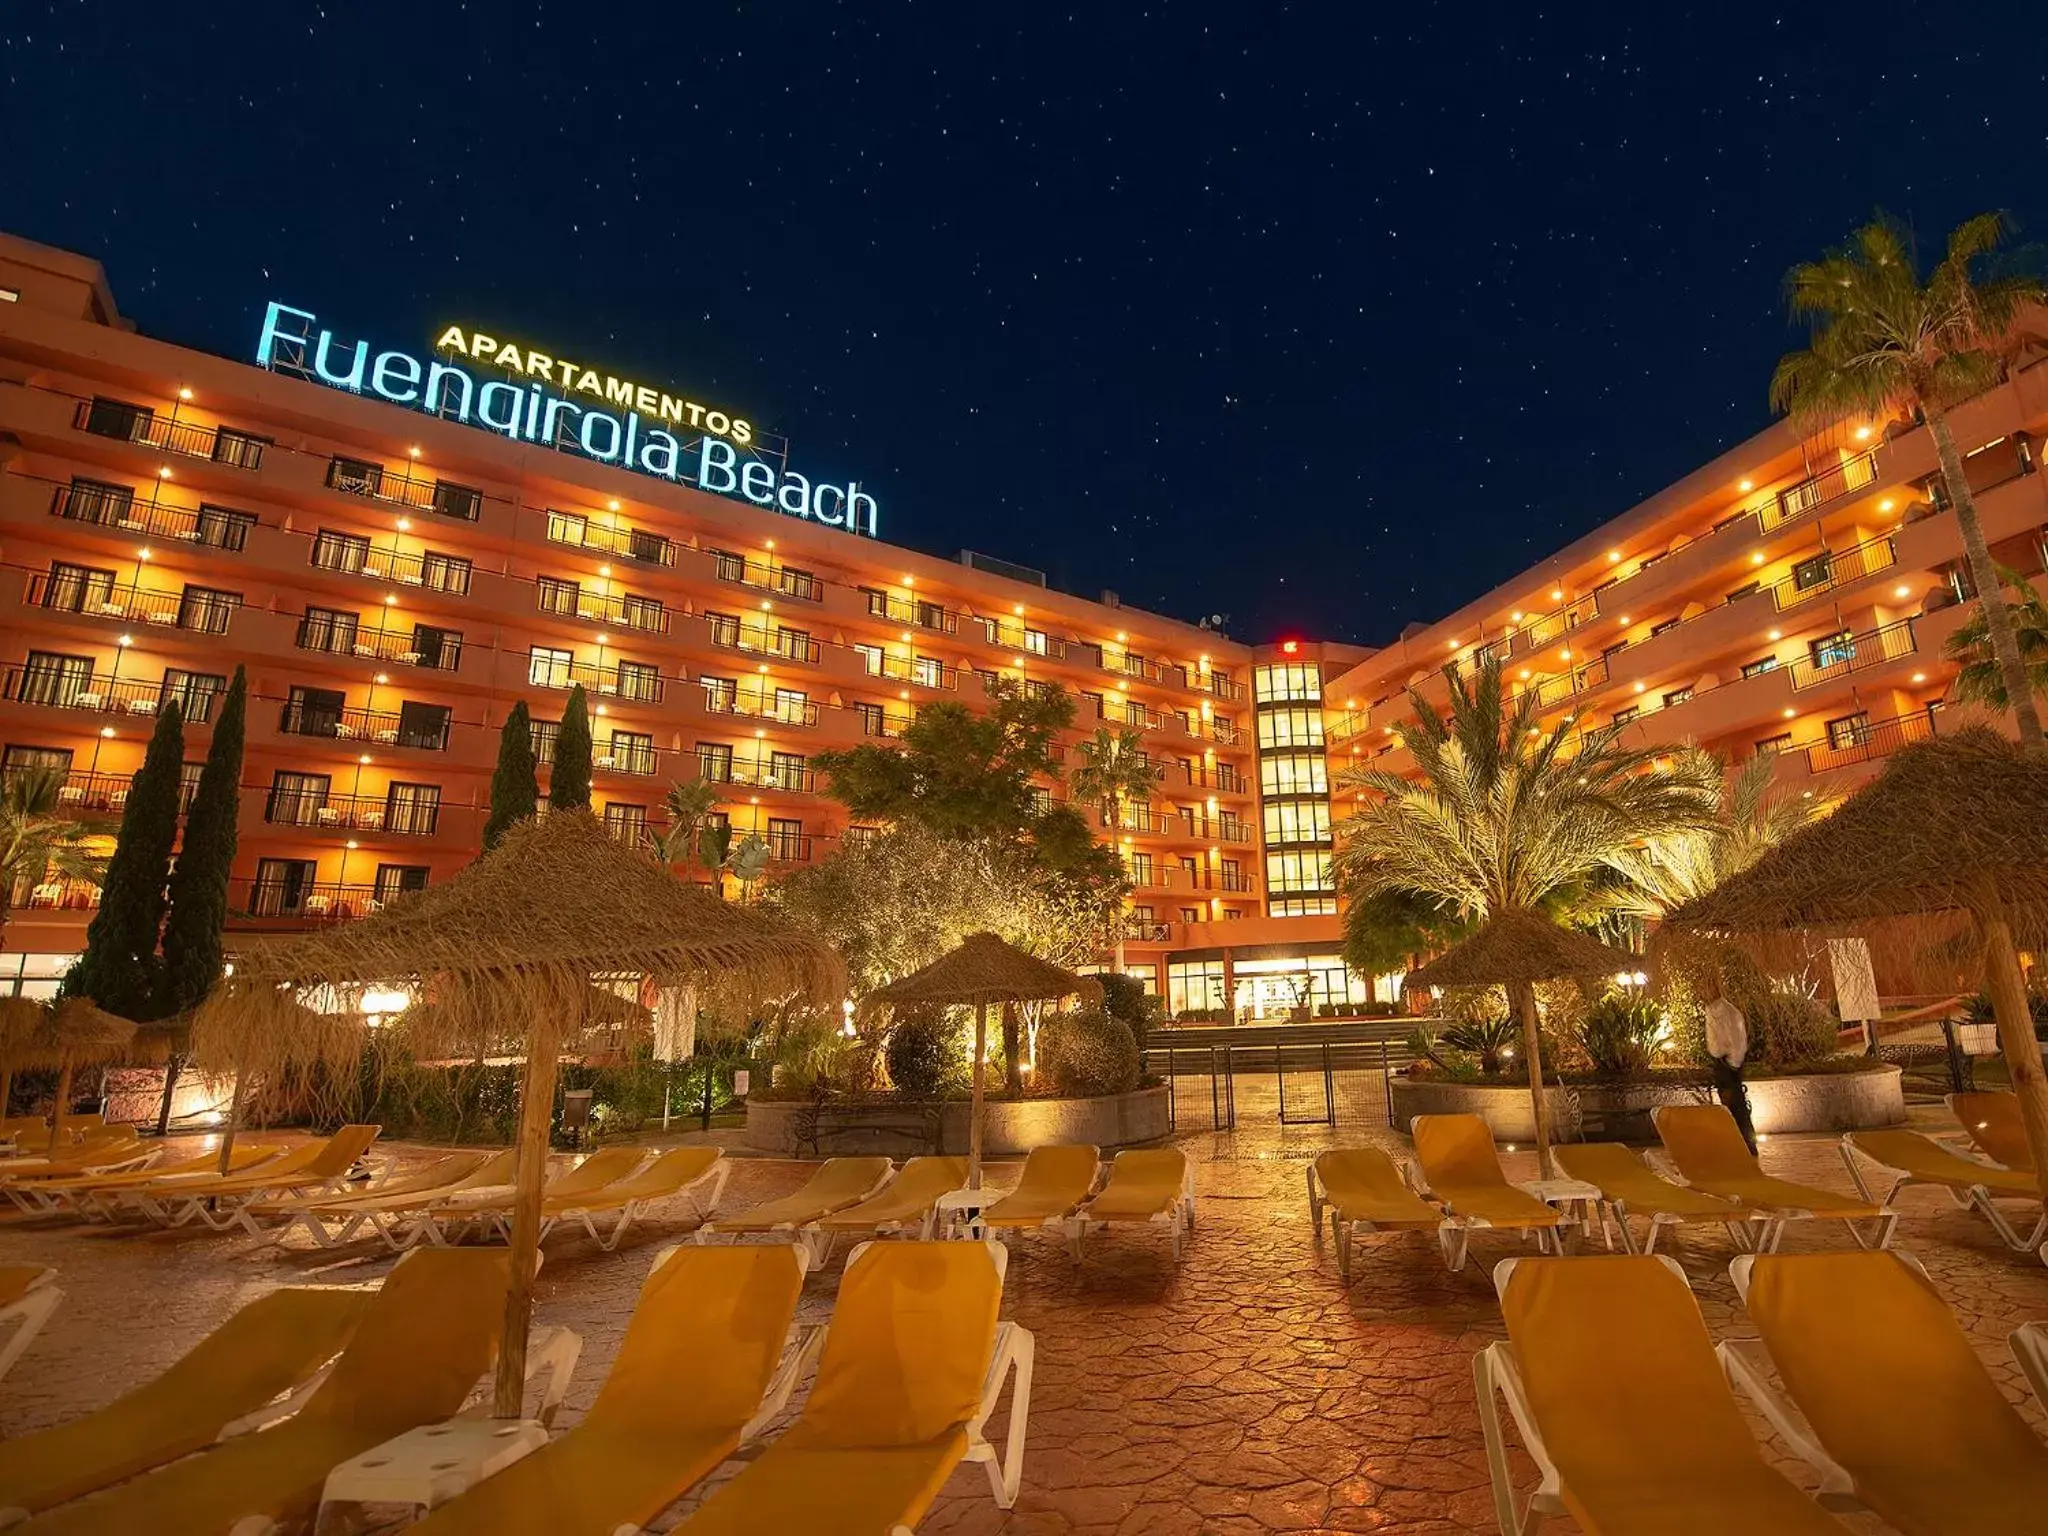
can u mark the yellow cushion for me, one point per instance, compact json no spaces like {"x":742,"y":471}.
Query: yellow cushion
{"x":794,"y":1488}
{"x":1364,"y":1185}
{"x":241,"y":1159}
{"x":1710,"y":1152}
{"x":1910,"y":1152}
{"x":1054,"y":1181}
{"x":1630,"y":1400}
{"x":906,"y":1197}
{"x":837,"y":1184}
{"x":712,"y":1318}
{"x":1621,"y":1175}
{"x":1994,"y":1123}
{"x":1896,"y":1393}
{"x":1463,"y":1171}
{"x":272,"y":1345}
{"x":1141,"y":1185}
{"x":667,"y":1175}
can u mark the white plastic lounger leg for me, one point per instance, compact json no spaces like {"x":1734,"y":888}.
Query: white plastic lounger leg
{"x":707,"y":1204}
{"x":28,"y":1315}
{"x":1315,"y":1201}
{"x":1455,"y":1238}
{"x":1016,"y":1351}
{"x":1980,"y":1197}
{"x":2029,"y":1346}
{"x":1494,"y":1371}
{"x":1882,"y":1238}
{"x":1837,"y":1487}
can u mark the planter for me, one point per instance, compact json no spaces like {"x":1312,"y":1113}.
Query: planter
{"x":1821,"y":1101}
{"x":1009,"y":1127}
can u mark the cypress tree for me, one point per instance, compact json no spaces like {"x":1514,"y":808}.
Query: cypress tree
{"x":569,"y":784}
{"x":120,"y":970}
{"x":514,"y":790}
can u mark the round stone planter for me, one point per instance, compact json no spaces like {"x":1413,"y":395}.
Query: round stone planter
{"x":1824,"y":1101}
{"x":1008,"y":1127}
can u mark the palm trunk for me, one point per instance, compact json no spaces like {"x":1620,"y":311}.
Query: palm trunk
{"x":1116,"y":822}
{"x":2005,"y":644}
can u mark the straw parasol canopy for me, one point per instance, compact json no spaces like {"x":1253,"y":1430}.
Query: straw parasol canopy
{"x":507,"y":949}
{"x":60,"y":1035}
{"x":1954,"y":825}
{"x":985,"y":969}
{"x":1517,"y":948}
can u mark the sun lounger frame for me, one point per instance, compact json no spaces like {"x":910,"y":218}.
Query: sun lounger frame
{"x":1977,"y":1197}
{"x":28,"y":1314}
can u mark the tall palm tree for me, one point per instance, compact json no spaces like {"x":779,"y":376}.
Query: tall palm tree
{"x":689,"y":807}
{"x":1501,"y":814}
{"x":1980,"y":681}
{"x":38,"y":838}
{"x":1114,"y":771}
{"x":1886,"y":344}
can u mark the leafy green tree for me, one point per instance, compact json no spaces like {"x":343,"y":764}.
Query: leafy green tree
{"x":514,"y":789}
{"x":1981,"y":681}
{"x":1386,"y":931}
{"x":1887,"y":344}
{"x":120,"y":969}
{"x":38,"y":838}
{"x":198,"y":886}
{"x":1114,"y":771}
{"x":569,"y":779}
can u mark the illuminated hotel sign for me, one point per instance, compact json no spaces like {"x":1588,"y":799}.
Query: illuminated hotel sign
{"x":564,"y":404}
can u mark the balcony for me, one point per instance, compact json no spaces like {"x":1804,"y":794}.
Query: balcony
{"x":351,"y":813}
{"x":1838,"y":655}
{"x":1817,"y":491}
{"x":788,"y":644}
{"x":1554,"y":691}
{"x":789,"y":847}
{"x":102,"y":696}
{"x":1220,"y":777}
{"x":359,"y":477}
{"x":89,"y":791}
{"x":434,"y":650}
{"x":64,"y":896}
{"x":1871,"y":740}
{"x":617,"y":680}
{"x":313,"y":901}
{"x":299,"y":718}
{"x":204,"y":612}
{"x":635,"y":759}
{"x":767,"y":576}
{"x":924,"y":615}
{"x":575,"y":532}
{"x":921,"y":670}
{"x":645,"y":614}
{"x":439,"y":573}
{"x":1225,"y":688}
{"x":759,"y":706}
{"x":759,"y":774}
{"x":1829,"y":569}
{"x":112,"y":506}
{"x":1122,"y":711}
{"x":1019,"y":640}
{"x":137,"y":424}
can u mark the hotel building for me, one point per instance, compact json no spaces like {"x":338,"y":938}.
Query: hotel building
{"x":394,"y":578}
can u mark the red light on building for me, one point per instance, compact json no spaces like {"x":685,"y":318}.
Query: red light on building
{"x":1289,"y":647}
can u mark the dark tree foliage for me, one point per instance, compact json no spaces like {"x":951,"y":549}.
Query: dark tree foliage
{"x":199,"y":884}
{"x":514,"y":789}
{"x":119,"y":969}
{"x":1386,"y":932}
{"x":569,"y":780}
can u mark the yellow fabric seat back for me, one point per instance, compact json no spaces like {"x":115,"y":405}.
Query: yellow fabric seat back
{"x":1364,"y":1185}
{"x":837,"y":1184}
{"x":1621,"y":1175}
{"x":1141,"y":1185}
{"x":1994,"y":1124}
{"x":442,"y":1174}
{"x":908,"y":1196}
{"x":339,"y":1152}
{"x":909,"y":1344}
{"x":1705,"y":1144}
{"x":671,"y":1171}
{"x":17,"y":1280}
{"x":1894,"y":1391}
{"x":1910,"y":1152}
{"x":1456,"y":1152}
{"x":606,"y":1166}
{"x":1054,"y":1181}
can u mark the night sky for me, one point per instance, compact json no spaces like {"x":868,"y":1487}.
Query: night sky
{"x":1323,"y":318}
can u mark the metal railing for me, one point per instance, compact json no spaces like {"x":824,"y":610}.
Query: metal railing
{"x":100,"y":695}
{"x":575,"y":532}
{"x":207,"y":613}
{"x":646,"y":614}
{"x":906,"y":611}
{"x":1870,"y":741}
{"x":348,"y":813}
{"x":311,"y":900}
{"x":1817,"y":491}
{"x":407,"y":647}
{"x":116,"y":507}
{"x":766,"y":576}
{"x":223,"y":445}
{"x":350,"y":559}
{"x":758,"y":706}
{"x":1835,"y":655}
{"x":923,"y":671}
{"x":1835,"y":568}
{"x":298,"y":718}
{"x":756,"y":640}
{"x":639,"y":687}
{"x":446,"y":497}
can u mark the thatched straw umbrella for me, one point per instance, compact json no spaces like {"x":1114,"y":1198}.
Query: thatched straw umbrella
{"x":1516,"y":949}
{"x":506,"y":950}
{"x":985,"y":969}
{"x":1954,"y":825}
{"x":20,"y":1018}
{"x":69,"y":1034}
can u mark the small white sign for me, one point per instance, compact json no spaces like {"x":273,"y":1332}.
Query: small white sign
{"x":741,"y":1081}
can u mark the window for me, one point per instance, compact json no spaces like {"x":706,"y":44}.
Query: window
{"x":1138,"y":864}
{"x":1035,"y":642}
{"x":1297,"y":821}
{"x":549,"y":667}
{"x":194,"y":692}
{"x":445,"y":573}
{"x":932,"y":616}
{"x":188,"y":785}
{"x":395,"y":880}
{"x":795,"y":644}
{"x":328,"y":629}
{"x":1961,"y":582}
{"x":796,"y":583}
{"x":628,"y":823}
{"x":786,"y":770}
{"x":1287,"y":682}
{"x":1294,"y":773}
{"x":1812,"y":572}
{"x":544,"y":733}
{"x":1771,"y":746}
{"x":793,"y":707}
{"x":358,"y":476}
{"x":296,"y":799}
{"x":1677,"y":696}
{"x":221,"y":528}
{"x":872,"y":721}
{"x":463,"y":501}
{"x":313,"y":712}
{"x":20,"y":759}
{"x":1191,"y":914}
{"x":650,"y":547}
{"x":554,"y":595}
{"x":340,"y":551}
{"x":50,"y":678}
{"x":643,"y":612}
{"x":238,"y":450}
{"x":858,"y":837}
{"x":1292,"y":727}
{"x":725,"y":629}
{"x":720,"y":693}
{"x":1744,"y":591}
{"x":1623,"y":716}
{"x":640,"y":681}
{"x":728,"y":566}
{"x":1849,"y":731}
{"x":877,"y":600}
{"x":1760,"y":666}
{"x":1658,"y":629}
{"x":870,"y":658}
{"x":714,"y":761}
{"x":1833,"y":650}
{"x":207,"y":609}
{"x":96,"y":501}
{"x":786,"y":838}
{"x":568,"y":527}
{"x":927,"y":672}
{"x":412,"y":809}
{"x":117,"y":418}
{"x":632,"y":752}
{"x":1307,"y":870}
{"x":283,"y":887}
{"x":423,"y":725}
{"x":79,"y":588}
{"x":436,"y":648}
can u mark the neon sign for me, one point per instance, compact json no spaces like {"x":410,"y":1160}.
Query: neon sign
{"x":713,"y":451}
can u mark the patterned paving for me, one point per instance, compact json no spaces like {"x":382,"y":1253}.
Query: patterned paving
{"x":1245,"y":1392}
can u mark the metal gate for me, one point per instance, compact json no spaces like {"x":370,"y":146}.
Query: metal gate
{"x":1296,"y":1074}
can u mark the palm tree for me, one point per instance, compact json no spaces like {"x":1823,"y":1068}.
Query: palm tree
{"x":37,"y":838}
{"x":689,"y":807}
{"x":1114,"y":771}
{"x":1500,"y":815}
{"x":1980,"y":681}
{"x":1886,"y":344}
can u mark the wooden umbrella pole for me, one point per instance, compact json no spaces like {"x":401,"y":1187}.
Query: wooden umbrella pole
{"x":57,"y":1109}
{"x":227,"y":1135}
{"x":2016,"y":1040}
{"x":974,"y":1110}
{"x":536,"y":1115}
{"x":1532,"y":1052}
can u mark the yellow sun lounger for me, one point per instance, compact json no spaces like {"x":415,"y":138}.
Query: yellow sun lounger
{"x":1155,"y":1188}
{"x":24,"y":1132}
{"x":1613,"y":1384}
{"x":1630,"y":1187}
{"x":1055,"y":1180}
{"x":913,"y":1366}
{"x":1993,"y":1122}
{"x":907,"y":1202}
{"x":1709,"y":1153}
{"x":92,"y":1193}
{"x":838,"y":1183}
{"x":231,"y":1200}
{"x":1364,"y":1192}
{"x":106,"y":1151}
{"x":425,"y":1338}
{"x":350,"y":1213}
{"x":1459,"y":1166}
{"x":1915,"y":1159}
{"x":697,"y":1174}
{"x":27,"y":1298}
{"x":228,"y":1384}
{"x":485,"y":1209}
{"x":701,"y":1369}
{"x":1896,"y":1412}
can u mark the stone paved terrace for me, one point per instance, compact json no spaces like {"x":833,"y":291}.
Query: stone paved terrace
{"x":1245,"y":1393}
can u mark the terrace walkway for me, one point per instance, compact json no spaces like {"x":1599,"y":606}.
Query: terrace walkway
{"x":1246,"y":1393}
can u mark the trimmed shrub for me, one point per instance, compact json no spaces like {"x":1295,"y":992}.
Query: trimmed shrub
{"x":1788,"y":1029}
{"x":1124,"y":997}
{"x":1087,"y":1053}
{"x":926,"y":1054}
{"x":1623,"y":1036}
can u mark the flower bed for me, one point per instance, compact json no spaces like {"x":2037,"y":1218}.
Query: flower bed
{"x":798,"y":1128}
{"x":1849,"y":1100}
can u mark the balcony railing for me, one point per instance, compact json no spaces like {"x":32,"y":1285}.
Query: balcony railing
{"x":1816,"y":491}
{"x":1019,"y":640}
{"x":1833,"y":657}
{"x":909,"y":611}
{"x":640,"y":761}
{"x":627,"y":543}
{"x":1222,"y":777}
{"x":446,"y":497}
{"x":766,"y":576}
{"x":435,"y":572}
{"x":1870,"y":741}
{"x":64,"y":895}
{"x":609,"y":680}
{"x":789,"y":847}
{"x":116,"y":507}
{"x":437,"y":653}
{"x":207,"y":614}
{"x":640,"y":613}
{"x":1225,"y":687}
{"x":1829,"y":569}
{"x":104,"y":696}
{"x":754,"y":641}
{"x":298,"y":718}
{"x":923,"y":671}
{"x":759,"y":706}
{"x":313,"y":901}
{"x":372,"y":813}
{"x":764,"y":774}
{"x":223,"y":445}
{"x":1553,"y":691}
{"x":89,"y":791}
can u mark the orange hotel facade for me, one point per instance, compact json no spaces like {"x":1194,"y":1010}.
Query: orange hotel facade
{"x":394,"y":579}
